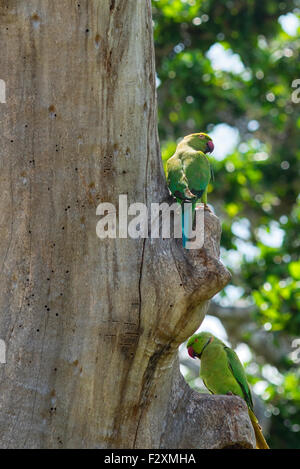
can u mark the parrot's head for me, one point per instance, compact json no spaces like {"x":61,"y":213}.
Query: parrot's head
{"x":200,"y":142}
{"x":198,"y":342}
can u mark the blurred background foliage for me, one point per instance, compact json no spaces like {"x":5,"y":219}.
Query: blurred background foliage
{"x":227,"y":67}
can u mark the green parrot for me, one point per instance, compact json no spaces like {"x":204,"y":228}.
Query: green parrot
{"x":223,"y":373}
{"x":189,"y":173}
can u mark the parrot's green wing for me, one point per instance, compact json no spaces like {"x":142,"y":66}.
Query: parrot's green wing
{"x":207,"y":387}
{"x":239,"y":374}
{"x":198,"y":172}
{"x":177,"y":180}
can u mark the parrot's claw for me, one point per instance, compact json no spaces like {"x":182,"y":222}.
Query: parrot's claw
{"x":229,"y":393}
{"x":206,"y":207}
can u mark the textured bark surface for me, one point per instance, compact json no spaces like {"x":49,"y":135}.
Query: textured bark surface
{"x":92,"y":327}
{"x":209,"y":422}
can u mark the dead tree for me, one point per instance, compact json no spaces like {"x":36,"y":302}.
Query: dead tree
{"x":92,"y":326}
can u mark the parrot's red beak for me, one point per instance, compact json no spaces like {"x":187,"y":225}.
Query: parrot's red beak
{"x":191,"y":352}
{"x":210,"y":146}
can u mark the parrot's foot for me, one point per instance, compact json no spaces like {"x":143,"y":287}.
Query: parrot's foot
{"x":229,"y":393}
{"x":206,"y":207}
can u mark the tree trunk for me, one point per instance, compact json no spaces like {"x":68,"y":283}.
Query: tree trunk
{"x":92,"y":327}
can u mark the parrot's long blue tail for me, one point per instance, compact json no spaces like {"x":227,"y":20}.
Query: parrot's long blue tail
{"x":187,"y":218}
{"x":184,"y":219}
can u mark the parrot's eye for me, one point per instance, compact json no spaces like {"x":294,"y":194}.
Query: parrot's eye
{"x":201,"y":136}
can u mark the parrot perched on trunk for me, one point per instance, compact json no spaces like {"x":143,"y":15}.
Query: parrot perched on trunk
{"x":223,"y":373}
{"x":189,"y":173}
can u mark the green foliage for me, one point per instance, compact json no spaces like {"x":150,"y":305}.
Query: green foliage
{"x":257,"y":184}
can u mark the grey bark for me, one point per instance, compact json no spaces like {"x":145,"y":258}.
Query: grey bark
{"x":92,"y":327}
{"x":210,"y":422}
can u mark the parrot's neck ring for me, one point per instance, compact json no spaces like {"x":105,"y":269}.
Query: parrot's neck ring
{"x":207,"y":343}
